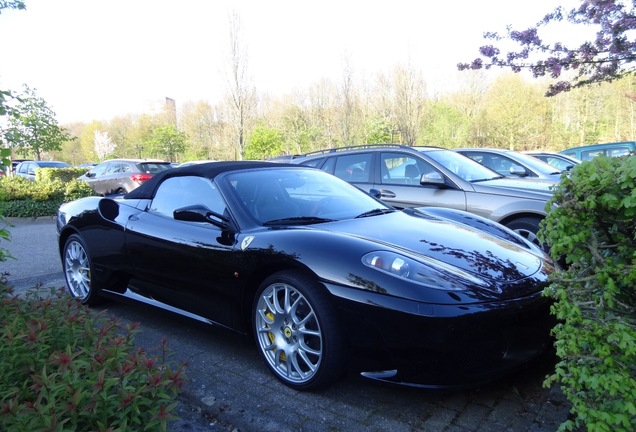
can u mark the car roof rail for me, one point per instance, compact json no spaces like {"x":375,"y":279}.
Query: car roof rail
{"x":350,"y":147}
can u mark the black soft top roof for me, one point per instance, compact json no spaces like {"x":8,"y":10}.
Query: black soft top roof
{"x":208,"y":170}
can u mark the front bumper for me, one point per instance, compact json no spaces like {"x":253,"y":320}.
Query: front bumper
{"x":441,"y":346}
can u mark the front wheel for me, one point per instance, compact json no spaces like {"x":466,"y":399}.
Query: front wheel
{"x":78,"y":269}
{"x":296,"y":331}
{"x":526,"y":227}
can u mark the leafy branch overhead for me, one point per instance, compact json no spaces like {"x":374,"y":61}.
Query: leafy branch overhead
{"x":606,"y":57}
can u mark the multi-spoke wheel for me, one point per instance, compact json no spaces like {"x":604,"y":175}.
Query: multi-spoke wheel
{"x":526,"y":227}
{"x":296,"y":331}
{"x":77,"y":271}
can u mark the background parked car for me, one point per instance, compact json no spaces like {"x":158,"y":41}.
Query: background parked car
{"x":559,"y":161}
{"x":27,"y":169}
{"x":613,"y":149}
{"x":118,"y":176}
{"x":512,"y":164}
{"x":427,"y":176}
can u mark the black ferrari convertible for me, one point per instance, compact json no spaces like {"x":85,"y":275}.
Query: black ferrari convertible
{"x":326,"y":278}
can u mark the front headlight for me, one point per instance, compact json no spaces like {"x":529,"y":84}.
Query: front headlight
{"x":436,"y":275}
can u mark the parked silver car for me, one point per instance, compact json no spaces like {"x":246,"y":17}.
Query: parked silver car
{"x":27,"y":169}
{"x":117,"y":176}
{"x":557,"y":160}
{"x":425,"y":176}
{"x":512,"y":164}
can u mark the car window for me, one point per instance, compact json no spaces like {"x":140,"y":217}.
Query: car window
{"x":178,"y":192}
{"x":621,"y":151}
{"x":100,"y":169}
{"x":398,"y":168}
{"x":152,"y":167}
{"x":314,"y":163}
{"x":117,"y":168}
{"x":354,"y":168}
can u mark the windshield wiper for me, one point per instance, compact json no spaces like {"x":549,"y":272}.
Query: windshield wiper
{"x":487,"y":179}
{"x":375,"y":212}
{"x":298,"y":220}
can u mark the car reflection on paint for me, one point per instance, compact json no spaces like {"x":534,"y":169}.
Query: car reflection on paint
{"x":324,"y":277}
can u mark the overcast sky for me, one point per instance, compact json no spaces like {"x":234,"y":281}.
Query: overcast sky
{"x":96,"y":59}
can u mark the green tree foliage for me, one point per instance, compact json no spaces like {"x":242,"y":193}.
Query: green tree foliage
{"x":516,"y":114}
{"x":33,"y":128}
{"x":446,"y":126}
{"x":264,"y":143}
{"x":592,"y":225}
{"x":167,"y":142}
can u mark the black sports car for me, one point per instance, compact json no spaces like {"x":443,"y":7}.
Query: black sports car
{"x":324,"y":276}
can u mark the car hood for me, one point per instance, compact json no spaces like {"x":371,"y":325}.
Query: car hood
{"x":434,"y":241}
{"x":542,"y":188}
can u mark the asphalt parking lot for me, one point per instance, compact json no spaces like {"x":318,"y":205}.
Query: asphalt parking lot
{"x":230,"y":389}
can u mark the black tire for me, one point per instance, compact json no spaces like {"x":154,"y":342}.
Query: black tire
{"x":296,"y":331}
{"x":526,"y":227}
{"x":78,"y":268}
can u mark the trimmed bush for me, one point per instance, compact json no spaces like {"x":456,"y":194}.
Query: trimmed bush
{"x":592,"y":225}
{"x":25,"y":198}
{"x":65,"y":368}
{"x":62,"y":174}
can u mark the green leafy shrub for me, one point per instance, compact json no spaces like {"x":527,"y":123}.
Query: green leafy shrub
{"x":25,"y":198}
{"x":592,"y":225}
{"x":61,"y":174}
{"x":64,"y":368}
{"x":76,"y":189}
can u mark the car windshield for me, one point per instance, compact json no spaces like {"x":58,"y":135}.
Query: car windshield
{"x":462,"y":166}
{"x":53,"y":164}
{"x":536,"y":164}
{"x":301,"y":196}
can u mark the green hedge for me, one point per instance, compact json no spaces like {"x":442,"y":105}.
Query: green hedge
{"x":592,"y":225}
{"x":23,"y":198}
{"x":62,"y":174}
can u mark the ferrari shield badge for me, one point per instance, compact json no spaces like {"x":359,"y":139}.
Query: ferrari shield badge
{"x":246,"y":242}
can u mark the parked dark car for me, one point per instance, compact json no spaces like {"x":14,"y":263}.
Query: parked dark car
{"x":321,"y":274}
{"x":27,"y":169}
{"x":118,"y":176}
{"x":557,"y":160}
{"x":427,"y":176}
{"x":513,"y":164}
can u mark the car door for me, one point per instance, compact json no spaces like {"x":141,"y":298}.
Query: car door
{"x":406,"y":180}
{"x":184,"y":264}
{"x":95,"y":177}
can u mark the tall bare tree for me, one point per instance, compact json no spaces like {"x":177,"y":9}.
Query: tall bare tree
{"x":242,"y":92}
{"x":409,"y":102}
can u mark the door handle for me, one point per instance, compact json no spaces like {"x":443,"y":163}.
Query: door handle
{"x":387,"y":193}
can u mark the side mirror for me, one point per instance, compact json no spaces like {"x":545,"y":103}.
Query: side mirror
{"x":518,"y":171}
{"x":375,"y":193}
{"x":432,"y":178}
{"x":200,"y":213}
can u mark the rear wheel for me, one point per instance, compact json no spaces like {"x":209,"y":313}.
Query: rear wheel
{"x":526,"y":227}
{"x":78,"y":268}
{"x":296,"y":331}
